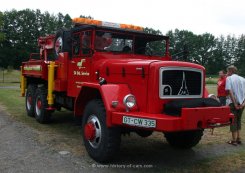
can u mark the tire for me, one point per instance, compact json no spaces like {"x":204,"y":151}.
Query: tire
{"x":58,"y":43}
{"x":185,"y":139}
{"x":62,"y":42}
{"x":42,"y":115}
{"x":106,"y":141}
{"x":144,"y":133}
{"x":30,"y":99}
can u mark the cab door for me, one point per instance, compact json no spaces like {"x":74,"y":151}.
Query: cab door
{"x":80,"y":63}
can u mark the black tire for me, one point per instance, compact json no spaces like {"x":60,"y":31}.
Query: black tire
{"x":30,"y":99}
{"x":104,"y":147}
{"x":144,"y":133}
{"x":185,"y":139}
{"x":62,"y":36}
{"x":58,"y":43}
{"x":42,"y":115}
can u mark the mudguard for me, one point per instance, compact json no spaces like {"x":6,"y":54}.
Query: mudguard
{"x":108,"y":93}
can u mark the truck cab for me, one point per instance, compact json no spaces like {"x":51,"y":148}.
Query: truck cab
{"x":119,"y":79}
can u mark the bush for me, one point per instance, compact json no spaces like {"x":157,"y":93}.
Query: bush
{"x":10,"y":68}
{"x":211,"y":80}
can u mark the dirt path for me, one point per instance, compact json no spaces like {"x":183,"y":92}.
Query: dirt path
{"x":20,"y":151}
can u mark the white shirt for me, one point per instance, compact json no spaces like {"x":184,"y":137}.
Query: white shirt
{"x":236,"y":84}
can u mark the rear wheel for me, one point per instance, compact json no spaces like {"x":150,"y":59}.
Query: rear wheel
{"x":30,"y":99}
{"x":185,"y":139}
{"x":42,"y":115}
{"x":100,"y":141}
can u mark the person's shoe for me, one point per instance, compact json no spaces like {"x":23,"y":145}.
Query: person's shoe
{"x":232,"y":142}
{"x":239,"y":141}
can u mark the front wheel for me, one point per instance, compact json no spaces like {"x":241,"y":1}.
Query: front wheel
{"x":185,"y":139}
{"x":101,"y":142}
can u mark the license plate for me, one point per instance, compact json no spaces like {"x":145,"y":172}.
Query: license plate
{"x":140,"y":122}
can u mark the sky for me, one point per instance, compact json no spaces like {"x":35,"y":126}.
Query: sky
{"x":218,"y":17}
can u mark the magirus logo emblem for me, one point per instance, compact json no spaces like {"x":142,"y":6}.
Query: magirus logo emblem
{"x":183,"y":90}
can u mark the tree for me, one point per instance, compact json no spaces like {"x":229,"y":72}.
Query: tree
{"x":88,"y":17}
{"x":152,"y":31}
{"x":204,"y":48}
{"x":230,"y":49}
{"x":22,"y":31}
{"x":1,"y":27}
{"x":181,"y":40}
{"x":19,"y":31}
{"x":240,"y":63}
{"x":217,"y":59}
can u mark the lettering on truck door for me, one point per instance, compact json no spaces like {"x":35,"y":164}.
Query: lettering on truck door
{"x":80,"y":64}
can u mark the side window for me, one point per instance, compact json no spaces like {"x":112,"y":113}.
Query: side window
{"x":76,"y":44}
{"x":86,"y":42}
{"x":81,"y":43}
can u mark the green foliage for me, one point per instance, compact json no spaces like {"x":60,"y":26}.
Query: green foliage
{"x":213,"y":53}
{"x":1,"y":27}
{"x":211,"y":80}
{"x":240,"y":62}
{"x":19,"y":31}
{"x":157,"y":47}
{"x":22,"y":29}
{"x":178,"y":39}
{"x":88,"y":17}
{"x":152,"y":31}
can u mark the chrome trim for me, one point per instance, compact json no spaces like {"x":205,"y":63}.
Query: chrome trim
{"x":125,"y":103}
{"x":161,"y":96}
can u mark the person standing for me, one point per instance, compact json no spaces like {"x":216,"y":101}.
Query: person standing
{"x":222,"y":93}
{"x":235,"y":85}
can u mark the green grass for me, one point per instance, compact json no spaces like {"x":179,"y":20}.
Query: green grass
{"x":211,"y":80}
{"x":227,"y":163}
{"x":212,"y":88}
{"x":62,"y":125}
{"x":12,"y":76}
{"x":14,"y":103}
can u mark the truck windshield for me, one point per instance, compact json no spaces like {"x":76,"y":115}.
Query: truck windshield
{"x":113,"y":42}
{"x":152,"y":46}
{"x":123,"y":43}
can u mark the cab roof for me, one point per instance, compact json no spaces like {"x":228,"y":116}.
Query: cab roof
{"x":85,"y":23}
{"x":79,"y":27}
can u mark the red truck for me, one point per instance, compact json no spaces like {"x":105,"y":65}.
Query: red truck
{"x":119,"y":79}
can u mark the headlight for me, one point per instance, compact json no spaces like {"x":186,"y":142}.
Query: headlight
{"x":129,"y":101}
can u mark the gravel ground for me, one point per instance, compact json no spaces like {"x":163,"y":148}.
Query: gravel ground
{"x":21,"y":151}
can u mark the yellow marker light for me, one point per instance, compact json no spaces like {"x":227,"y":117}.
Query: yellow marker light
{"x":107,"y":24}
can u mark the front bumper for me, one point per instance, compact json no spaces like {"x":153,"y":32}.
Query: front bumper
{"x":190,"y":119}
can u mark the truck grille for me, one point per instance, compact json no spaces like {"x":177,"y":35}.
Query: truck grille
{"x":177,"y":82}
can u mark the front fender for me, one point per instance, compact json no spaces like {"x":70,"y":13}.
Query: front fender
{"x":108,"y":93}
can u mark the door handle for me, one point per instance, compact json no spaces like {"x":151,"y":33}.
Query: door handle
{"x":73,"y":62}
